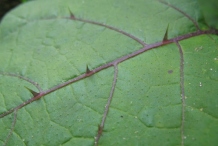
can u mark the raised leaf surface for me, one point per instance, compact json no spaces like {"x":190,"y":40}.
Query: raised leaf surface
{"x":108,"y":73}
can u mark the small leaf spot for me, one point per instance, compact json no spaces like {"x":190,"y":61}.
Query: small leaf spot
{"x":170,"y":71}
{"x":200,"y":84}
{"x":198,"y":48}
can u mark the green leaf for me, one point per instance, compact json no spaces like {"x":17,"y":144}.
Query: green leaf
{"x":109,"y":73}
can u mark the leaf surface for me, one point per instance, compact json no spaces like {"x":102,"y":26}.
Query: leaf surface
{"x":108,"y":73}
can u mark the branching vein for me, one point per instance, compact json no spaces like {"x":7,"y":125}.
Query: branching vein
{"x":182,"y":12}
{"x":109,"y":27}
{"x":101,"y":126}
{"x":182,"y":91}
{"x":12,"y":128}
{"x":23,"y":78}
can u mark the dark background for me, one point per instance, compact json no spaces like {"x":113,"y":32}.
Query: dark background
{"x":7,"y":5}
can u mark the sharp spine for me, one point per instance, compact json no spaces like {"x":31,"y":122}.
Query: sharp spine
{"x":87,"y":69}
{"x":33,"y":92}
{"x":166,"y":34}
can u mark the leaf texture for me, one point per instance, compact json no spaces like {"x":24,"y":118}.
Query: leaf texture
{"x":108,"y":73}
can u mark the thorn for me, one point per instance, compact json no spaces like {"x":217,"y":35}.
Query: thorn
{"x":33,"y":92}
{"x":166,"y":34}
{"x":87,"y":69}
{"x":71,"y":14}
